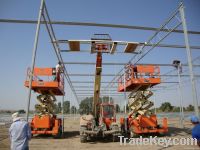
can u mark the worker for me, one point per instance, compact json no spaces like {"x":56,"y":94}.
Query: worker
{"x":135,"y":71}
{"x":58,"y":71}
{"x":196,"y":129}
{"x":20,"y":133}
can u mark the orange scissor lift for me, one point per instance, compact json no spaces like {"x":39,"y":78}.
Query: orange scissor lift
{"x":45,"y":121}
{"x":137,"y":80}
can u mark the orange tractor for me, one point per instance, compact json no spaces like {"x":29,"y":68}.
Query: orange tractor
{"x":103,"y":123}
{"x":137,"y":80}
{"x":45,"y":121}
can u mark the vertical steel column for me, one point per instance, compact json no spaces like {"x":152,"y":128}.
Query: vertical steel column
{"x":70,"y":104}
{"x":125,"y":90}
{"x":63,"y":114}
{"x":194,"y":94}
{"x":181,"y":98}
{"x":34,"y":57}
{"x":109,"y":94}
{"x":154,"y":103}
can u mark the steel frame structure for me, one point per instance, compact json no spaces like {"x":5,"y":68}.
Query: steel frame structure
{"x":146,"y":48}
{"x":93,"y":24}
{"x":159,"y":38}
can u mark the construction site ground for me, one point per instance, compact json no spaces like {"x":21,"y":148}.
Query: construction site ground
{"x":71,"y":139}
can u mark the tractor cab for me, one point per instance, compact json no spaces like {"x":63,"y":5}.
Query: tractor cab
{"x":107,"y":114}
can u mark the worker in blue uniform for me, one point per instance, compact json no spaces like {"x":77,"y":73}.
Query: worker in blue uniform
{"x":20,"y":133}
{"x":196,"y":128}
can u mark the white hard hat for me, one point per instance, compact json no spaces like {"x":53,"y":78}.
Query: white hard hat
{"x":16,"y":116}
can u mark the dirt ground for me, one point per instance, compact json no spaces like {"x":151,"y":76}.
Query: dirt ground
{"x":71,"y":140}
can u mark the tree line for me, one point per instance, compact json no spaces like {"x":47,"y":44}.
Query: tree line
{"x":66,"y":108}
{"x":168,"y":107}
{"x":86,"y":105}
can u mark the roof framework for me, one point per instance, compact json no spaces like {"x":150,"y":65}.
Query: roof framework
{"x":138,"y":49}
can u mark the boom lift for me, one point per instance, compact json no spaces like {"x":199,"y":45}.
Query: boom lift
{"x":138,"y":80}
{"x":45,"y":121}
{"x":104,"y":122}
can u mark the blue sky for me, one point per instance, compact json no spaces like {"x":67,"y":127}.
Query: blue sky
{"x":16,"y":41}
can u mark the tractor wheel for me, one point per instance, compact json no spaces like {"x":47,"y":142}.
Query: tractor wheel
{"x":83,"y":137}
{"x":132,"y":134}
{"x":59,"y":134}
{"x":115,"y":135}
{"x":115,"y":138}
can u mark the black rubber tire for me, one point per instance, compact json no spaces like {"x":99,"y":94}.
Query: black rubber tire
{"x":115,"y":138}
{"x":83,"y":138}
{"x":59,"y":135}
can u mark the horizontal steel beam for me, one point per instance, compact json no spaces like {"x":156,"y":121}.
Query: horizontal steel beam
{"x":109,"y":82}
{"x":91,"y":87}
{"x":122,"y":64}
{"x":89,"y":51}
{"x":103,"y":90}
{"x":174,"y":46}
{"x":94,"y":24}
{"x":121,"y":94}
{"x":90,"y":82}
{"x":159,"y":45}
{"x":164,"y":75}
{"x":101,"y":93}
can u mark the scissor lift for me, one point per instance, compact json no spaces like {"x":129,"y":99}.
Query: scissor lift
{"x":137,"y":80}
{"x":48,"y":84}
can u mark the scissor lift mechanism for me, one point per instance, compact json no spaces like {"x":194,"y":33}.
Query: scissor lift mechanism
{"x":45,"y":121}
{"x":138,"y":79}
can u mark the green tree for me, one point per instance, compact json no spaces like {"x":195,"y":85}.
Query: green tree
{"x":176,"y":109}
{"x":190,"y":108}
{"x":166,"y":107}
{"x":117,"y":108}
{"x":127,"y":108}
{"x":86,"y":105}
{"x":66,"y":107}
{"x":21,"y":111}
{"x":105,"y":99}
{"x":56,"y":109}
{"x":73,"y":109}
{"x":59,"y":107}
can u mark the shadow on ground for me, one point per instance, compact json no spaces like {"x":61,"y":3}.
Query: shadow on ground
{"x":66,"y":134}
{"x":70,"y":134}
{"x":174,"y":131}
